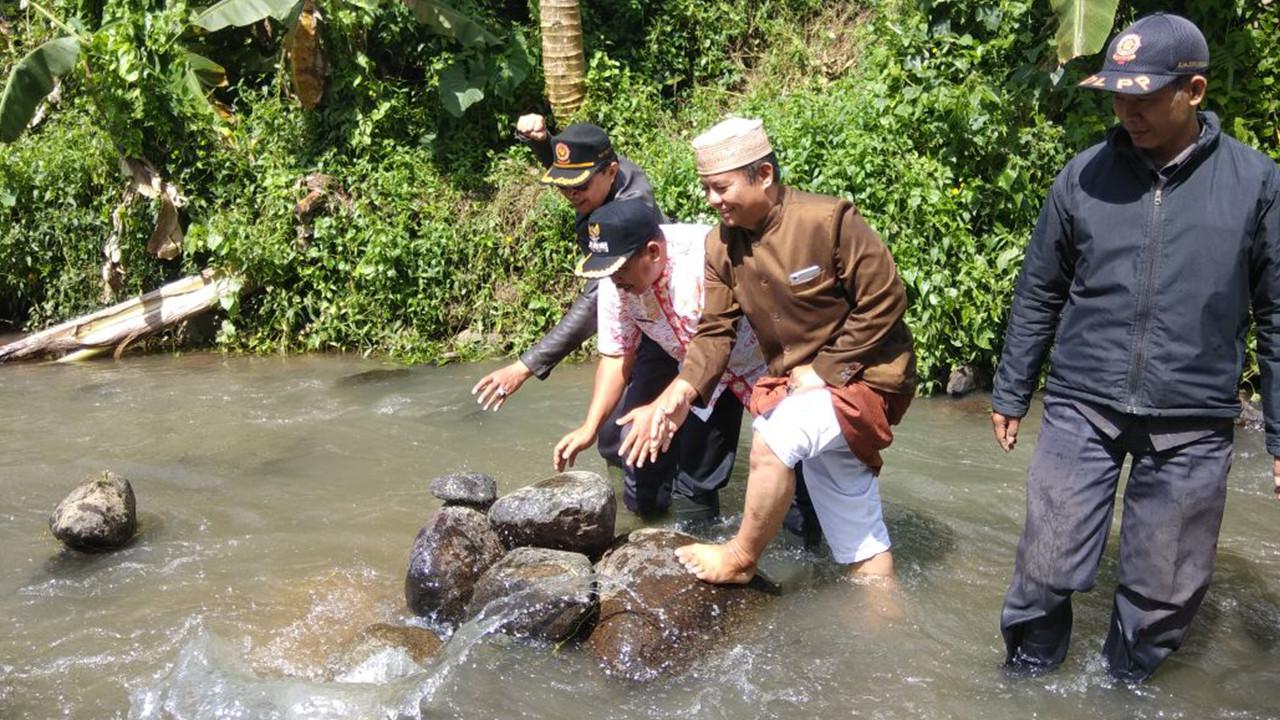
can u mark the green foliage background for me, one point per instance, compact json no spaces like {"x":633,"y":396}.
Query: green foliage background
{"x":944,"y":120}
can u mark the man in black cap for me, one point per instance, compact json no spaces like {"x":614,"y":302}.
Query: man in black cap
{"x":583,"y":166}
{"x":1151,"y":251}
{"x":652,"y":286}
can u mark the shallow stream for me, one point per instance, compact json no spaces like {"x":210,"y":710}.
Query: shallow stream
{"x":279,"y":498}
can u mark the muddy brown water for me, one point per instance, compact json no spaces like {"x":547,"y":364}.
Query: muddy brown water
{"x":279,"y":498}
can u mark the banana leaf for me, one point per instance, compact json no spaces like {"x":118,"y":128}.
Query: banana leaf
{"x":239,"y":13}
{"x":451,"y":23}
{"x":1083,"y":26}
{"x":31,"y":82}
{"x":210,"y":73}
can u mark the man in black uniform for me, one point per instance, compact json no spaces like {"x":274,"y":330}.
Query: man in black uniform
{"x":1151,"y":252}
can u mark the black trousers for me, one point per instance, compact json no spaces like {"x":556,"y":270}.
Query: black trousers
{"x":702,"y":453}
{"x":1173,"y":504}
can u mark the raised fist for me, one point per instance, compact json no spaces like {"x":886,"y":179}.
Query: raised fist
{"x":532,"y":126}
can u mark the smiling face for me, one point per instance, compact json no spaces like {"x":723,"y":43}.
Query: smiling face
{"x":590,"y":195}
{"x":742,"y":201}
{"x":1163,"y":122}
{"x":643,"y":269}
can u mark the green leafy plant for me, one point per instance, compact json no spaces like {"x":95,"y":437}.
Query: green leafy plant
{"x":462,"y":83}
{"x":34,"y":77}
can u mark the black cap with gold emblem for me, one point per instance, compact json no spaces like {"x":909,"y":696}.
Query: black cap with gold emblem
{"x":612,"y":234}
{"x":580,"y":150}
{"x":1149,"y":54}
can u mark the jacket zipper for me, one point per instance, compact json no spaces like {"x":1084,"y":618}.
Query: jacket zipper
{"x":1145,"y":299}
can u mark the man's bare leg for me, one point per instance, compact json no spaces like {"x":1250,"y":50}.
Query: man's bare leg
{"x":770,"y":487}
{"x":876,"y":567}
{"x":883,"y":601}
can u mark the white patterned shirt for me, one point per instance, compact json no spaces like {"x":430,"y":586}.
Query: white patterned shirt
{"x":668,"y":312}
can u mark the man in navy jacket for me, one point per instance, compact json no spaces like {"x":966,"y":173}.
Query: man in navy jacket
{"x":1151,"y":252}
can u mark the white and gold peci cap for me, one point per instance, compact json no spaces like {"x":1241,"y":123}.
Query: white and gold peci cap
{"x":731,"y":144}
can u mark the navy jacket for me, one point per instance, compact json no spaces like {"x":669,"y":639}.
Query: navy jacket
{"x":579,"y":322}
{"x":1147,"y":281}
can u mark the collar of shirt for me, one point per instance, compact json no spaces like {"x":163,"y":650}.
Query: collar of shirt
{"x":1169,"y":168}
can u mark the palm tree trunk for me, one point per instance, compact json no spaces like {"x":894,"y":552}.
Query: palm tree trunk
{"x":562,"y":61}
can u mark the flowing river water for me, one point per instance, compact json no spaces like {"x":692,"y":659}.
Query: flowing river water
{"x":279,"y":497}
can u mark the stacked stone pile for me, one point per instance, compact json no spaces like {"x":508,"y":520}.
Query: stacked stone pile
{"x":542,"y":563}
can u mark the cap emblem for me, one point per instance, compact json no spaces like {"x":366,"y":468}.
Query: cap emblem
{"x":594,"y":243}
{"x":1127,"y":48}
{"x":562,"y":153}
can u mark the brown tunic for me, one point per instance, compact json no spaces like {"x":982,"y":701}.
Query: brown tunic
{"x":818,"y":285}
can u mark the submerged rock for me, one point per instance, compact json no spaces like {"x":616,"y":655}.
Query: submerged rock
{"x":655,"y":618}
{"x":541,"y":594}
{"x":374,"y":377}
{"x":475,"y":490}
{"x":448,"y":555}
{"x":572,"y":511}
{"x":966,"y":379}
{"x":100,"y":514}
{"x":418,"y":644}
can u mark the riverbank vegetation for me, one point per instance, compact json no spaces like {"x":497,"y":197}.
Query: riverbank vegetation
{"x":389,"y":219}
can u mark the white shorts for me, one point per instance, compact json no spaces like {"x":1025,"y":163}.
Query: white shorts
{"x":846,"y":496}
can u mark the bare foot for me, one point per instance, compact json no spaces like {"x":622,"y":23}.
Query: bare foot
{"x":724,"y":564}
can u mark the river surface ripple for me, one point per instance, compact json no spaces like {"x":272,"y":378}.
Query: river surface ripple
{"x":279,"y":497}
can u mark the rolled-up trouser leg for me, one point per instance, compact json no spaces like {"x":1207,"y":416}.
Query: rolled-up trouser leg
{"x":647,"y":489}
{"x":1071,"y":489}
{"x":1173,"y":507}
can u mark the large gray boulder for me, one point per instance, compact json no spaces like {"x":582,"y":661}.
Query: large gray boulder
{"x":655,"y":618}
{"x":573,"y":511}
{"x":536,"y":593}
{"x":100,"y":514}
{"x":449,"y":554}
{"x":472,"y":489}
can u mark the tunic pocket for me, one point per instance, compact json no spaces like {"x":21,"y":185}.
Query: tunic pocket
{"x":808,"y":282}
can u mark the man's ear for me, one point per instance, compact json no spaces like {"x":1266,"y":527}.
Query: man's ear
{"x":766,"y":174}
{"x":1196,"y":88}
{"x":654,"y":248}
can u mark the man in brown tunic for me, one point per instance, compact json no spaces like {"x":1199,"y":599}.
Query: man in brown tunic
{"x":822,"y":293}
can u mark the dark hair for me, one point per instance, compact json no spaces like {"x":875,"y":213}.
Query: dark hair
{"x":753,"y":168}
{"x":1180,"y":82}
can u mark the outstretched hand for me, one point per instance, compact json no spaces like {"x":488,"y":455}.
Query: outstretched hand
{"x":1006,"y":429}
{"x":654,"y":425}
{"x":494,"y":388}
{"x":569,"y":446}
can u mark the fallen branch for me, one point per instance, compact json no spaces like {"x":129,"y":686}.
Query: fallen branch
{"x":119,"y":325}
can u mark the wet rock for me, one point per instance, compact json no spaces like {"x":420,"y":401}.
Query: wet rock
{"x":1251,"y":416}
{"x":655,"y":618}
{"x":966,"y":379}
{"x":572,"y":511}
{"x":541,"y":594}
{"x":417,"y":644}
{"x":448,"y":556}
{"x":100,"y":514}
{"x":466,"y":488}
